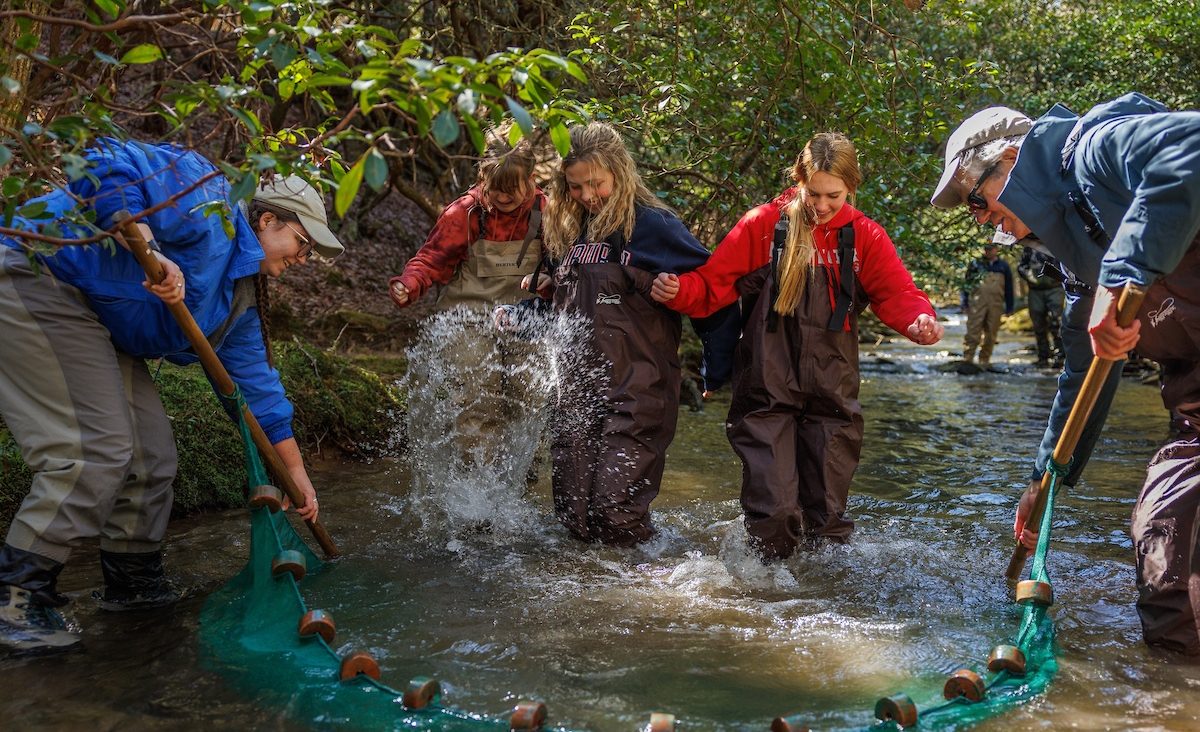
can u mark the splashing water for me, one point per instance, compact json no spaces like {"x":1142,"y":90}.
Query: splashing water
{"x":480,"y":400}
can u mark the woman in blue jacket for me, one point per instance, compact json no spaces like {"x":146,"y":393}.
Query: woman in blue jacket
{"x":74,"y":388}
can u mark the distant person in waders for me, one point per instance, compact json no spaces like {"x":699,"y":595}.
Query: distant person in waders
{"x":805,"y":265}
{"x":480,"y":249}
{"x":1114,"y":195}
{"x":618,"y":396}
{"x":74,"y":387}
{"x":987,"y":294}
{"x":1044,"y":279}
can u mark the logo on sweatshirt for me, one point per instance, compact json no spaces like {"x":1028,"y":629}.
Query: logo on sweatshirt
{"x":602,"y":299}
{"x":1164,"y":311}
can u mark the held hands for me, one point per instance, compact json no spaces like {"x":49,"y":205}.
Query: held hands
{"x":1109,"y":340}
{"x":543,"y":284}
{"x":170,"y":290}
{"x":665,"y":287}
{"x":925,"y":330}
{"x":1026,"y":537}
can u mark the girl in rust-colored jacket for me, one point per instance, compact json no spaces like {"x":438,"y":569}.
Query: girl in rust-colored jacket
{"x":805,"y":266}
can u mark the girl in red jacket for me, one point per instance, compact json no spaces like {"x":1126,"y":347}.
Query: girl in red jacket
{"x":471,"y":382}
{"x":805,"y":266}
{"x":486,"y":240}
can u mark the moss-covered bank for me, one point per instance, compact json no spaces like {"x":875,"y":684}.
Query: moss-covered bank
{"x":343,"y":406}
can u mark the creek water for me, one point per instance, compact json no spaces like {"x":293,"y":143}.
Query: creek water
{"x":493,"y":598}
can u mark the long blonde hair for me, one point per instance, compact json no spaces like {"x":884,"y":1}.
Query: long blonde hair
{"x":598,"y":144}
{"x":827,"y":152}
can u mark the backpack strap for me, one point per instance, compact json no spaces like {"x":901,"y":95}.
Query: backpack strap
{"x":845,"y":296}
{"x":779,"y":243}
{"x":534,"y":228}
{"x":1091,"y":223}
{"x":537,"y":272}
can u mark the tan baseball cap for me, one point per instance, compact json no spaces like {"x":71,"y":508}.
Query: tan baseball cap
{"x":294,"y":194}
{"x":993,"y":123}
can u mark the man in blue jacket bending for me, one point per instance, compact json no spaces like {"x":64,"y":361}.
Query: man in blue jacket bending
{"x":74,"y":388}
{"x":1115,"y":196}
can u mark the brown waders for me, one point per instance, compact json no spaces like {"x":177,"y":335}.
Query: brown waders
{"x":983,"y":320}
{"x":794,"y":419}
{"x":1165,"y":521}
{"x":618,"y":403}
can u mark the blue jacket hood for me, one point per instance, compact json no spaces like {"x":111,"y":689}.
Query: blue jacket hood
{"x":1129,"y":162}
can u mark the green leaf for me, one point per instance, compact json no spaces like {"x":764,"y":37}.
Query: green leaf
{"x":348,"y":187}
{"x":328,"y":80}
{"x":420,"y":110}
{"x":33,"y":210}
{"x":75,"y":166}
{"x":475,"y":133}
{"x":5,"y":156}
{"x":376,"y":170}
{"x":263,"y":162}
{"x":520,"y":115}
{"x":281,"y":55}
{"x":248,"y":118}
{"x":445,"y":128}
{"x":561,"y":137}
{"x":244,"y":188}
{"x":109,"y":8}
{"x":144,"y":53}
{"x":105,"y":58}
{"x":12,"y":86}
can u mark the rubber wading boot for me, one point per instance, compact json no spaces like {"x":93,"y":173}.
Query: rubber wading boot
{"x":28,"y":627}
{"x":134,"y":582}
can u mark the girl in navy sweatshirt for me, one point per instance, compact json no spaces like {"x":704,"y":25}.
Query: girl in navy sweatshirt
{"x":606,"y":233}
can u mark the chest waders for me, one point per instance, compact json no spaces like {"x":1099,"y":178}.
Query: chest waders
{"x":983,"y":320}
{"x":1165,"y":517}
{"x":618,"y":401}
{"x":491,"y":385}
{"x":794,"y":418}
{"x":491,"y":275}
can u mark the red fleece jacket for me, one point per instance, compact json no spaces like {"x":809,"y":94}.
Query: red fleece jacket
{"x":893,"y":296}
{"x":455,"y":230}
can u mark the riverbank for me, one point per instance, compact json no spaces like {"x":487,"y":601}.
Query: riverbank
{"x":346,"y":406}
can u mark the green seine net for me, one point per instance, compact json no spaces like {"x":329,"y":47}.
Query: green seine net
{"x":249,"y":633}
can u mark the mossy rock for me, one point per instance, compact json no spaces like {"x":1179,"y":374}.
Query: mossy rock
{"x":1018,"y":322}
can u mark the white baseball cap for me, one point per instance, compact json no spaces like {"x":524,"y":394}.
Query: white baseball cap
{"x":294,"y":194}
{"x":993,"y":123}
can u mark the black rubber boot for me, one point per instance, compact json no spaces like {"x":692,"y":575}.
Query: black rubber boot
{"x":31,"y":572}
{"x":134,"y":582}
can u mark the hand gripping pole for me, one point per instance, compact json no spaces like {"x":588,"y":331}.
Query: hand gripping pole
{"x":1131,"y":300}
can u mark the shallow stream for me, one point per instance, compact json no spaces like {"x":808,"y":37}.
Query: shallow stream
{"x":506,"y":605}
